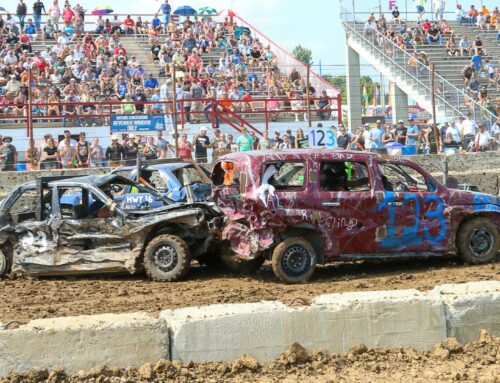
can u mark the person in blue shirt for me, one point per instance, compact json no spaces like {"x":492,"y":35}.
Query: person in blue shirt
{"x":165,"y":9}
{"x":156,"y":22}
{"x":477,"y":60}
{"x":412,"y":133}
{"x":376,"y":135}
{"x":30,"y":29}
{"x":151,"y":84}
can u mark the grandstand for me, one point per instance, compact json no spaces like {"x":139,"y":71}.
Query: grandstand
{"x":272,"y":71}
{"x":399,"y":57}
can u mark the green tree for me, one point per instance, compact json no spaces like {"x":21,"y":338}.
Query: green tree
{"x":338,"y":82}
{"x":303,"y":54}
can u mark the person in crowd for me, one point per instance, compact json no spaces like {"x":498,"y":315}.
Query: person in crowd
{"x":82,"y":151}
{"x":483,"y":140}
{"x":343,"y":138}
{"x":185,"y":148}
{"x":151,"y":151}
{"x":50,"y":155}
{"x":244,"y":141}
{"x":201,"y":144}
{"x":114,"y":153}
{"x":96,"y":154}
{"x":8,"y":155}
{"x":375,"y":135}
{"x":131,"y":150}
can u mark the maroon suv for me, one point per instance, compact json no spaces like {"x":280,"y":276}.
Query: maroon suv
{"x":300,"y":208}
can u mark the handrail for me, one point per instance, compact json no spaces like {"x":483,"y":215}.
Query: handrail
{"x":445,"y":83}
{"x":290,"y":56}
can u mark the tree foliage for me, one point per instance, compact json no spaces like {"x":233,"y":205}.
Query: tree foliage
{"x":303,"y":54}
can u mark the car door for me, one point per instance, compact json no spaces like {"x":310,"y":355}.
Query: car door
{"x":87,"y":243}
{"x":346,"y":207}
{"x":416,"y":218}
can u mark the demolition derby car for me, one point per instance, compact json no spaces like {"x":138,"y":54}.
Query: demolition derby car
{"x":166,"y":177}
{"x":44,"y":233}
{"x":300,"y":208}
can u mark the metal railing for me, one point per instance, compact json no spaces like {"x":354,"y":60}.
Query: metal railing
{"x":448,"y":96}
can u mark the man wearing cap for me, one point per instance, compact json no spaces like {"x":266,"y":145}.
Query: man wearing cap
{"x":375,"y":136}
{"x":201,"y":143}
{"x":8,"y":155}
{"x":401,"y":131}
{"x":483,"y":140}
{"x":131,"y":148}
{"x":412,"y":133}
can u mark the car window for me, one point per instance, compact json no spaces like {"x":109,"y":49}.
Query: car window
{"x":403,"y":178}
{"x":284,"y":175}
{"x":344,"y":176}
{"x":24,"y":209}
{"x":226,"y":173}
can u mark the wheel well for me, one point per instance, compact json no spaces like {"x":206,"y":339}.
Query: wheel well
{"x":493,"y":216}
{"x":311,"y":235}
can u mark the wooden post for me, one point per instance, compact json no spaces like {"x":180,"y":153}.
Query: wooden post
{"x":433,"y":98}
{"x":30,"y":119}
{"x":308,"y":96}
{"x":174,"y":110}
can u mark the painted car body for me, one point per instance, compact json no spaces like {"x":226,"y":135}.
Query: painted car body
{"x":382,"y":218}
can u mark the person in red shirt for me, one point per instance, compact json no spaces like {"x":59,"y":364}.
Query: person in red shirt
{"x":129,"y":25}
{"x":426,"y":25}
{"x":247,"y":102}
{"x":120,"y":51}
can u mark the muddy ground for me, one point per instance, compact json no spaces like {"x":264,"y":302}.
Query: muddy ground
{"x":449,"y":361}
{"x":25,"y":299}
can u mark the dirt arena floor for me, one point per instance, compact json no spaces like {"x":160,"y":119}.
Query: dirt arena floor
{"x":25,"y":299}
{"x":449,"y":361}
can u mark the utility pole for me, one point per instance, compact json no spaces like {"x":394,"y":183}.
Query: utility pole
{"x":308,"y":95}
{"x":174,"y":110}
{"x":433,"y":100}
{"x":30,"y":119}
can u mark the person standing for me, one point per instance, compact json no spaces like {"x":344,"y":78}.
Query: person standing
{"x":21,"y":12}
{"x":38,"y":6}
{"x":8,"y":155}
{"x":343,"y":139}
{"x":301,"y":141}
{"x":96,"y":154}
{"x":244,"y":141}
{"x":50,"y":155}
{"x":55,"y":14}
{"x":201,"y":143}
{"x":412,"y":133}
{"x":401,"y":132}
{"x":150,"y":150}
{"x":420,"y":8}
{"x":114,"y":152}
{"x":131,"y":148}
{"x":185,"y":148}
{"x":82,"y":151}
{"x":265,"y":143}
{"x":468,"y":132}
{"x":376,"y":135}
{"x":165,"y":9}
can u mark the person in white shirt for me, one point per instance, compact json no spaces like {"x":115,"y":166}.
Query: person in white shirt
{"x":483,"y":140}
{"x":468,"y":130}
{"x":460,"y":14}
{"x":439,"y":6}
{"x":62,"y":39}
{"x":58,"y":49}
{"x":164,"y":90}
{"x":366,"y":137}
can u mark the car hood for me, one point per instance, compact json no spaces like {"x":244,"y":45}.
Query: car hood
{"x":480,"y":200}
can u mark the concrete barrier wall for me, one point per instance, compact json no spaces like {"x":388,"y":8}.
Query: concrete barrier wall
{"x":264,"y":330}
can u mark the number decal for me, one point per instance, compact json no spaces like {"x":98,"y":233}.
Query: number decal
{"x":320,"y":142}
{"x":437,"y":215}
{"x":313,"y":134}
{"x":331,"y":139}
{"x":410,"y":235}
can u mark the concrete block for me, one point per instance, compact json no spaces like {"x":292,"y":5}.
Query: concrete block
{"x":469,"y":308}
{"x":389,"y":319}
{"x":333,"y":322}
{"x":85,"y":342}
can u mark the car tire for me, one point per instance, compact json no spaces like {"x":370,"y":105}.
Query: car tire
{"x":241,"y":266}
{"x":294,"y":260}
{"x":478,"y":241}
{"x":5,"y":260}
{"x":167,"y":258}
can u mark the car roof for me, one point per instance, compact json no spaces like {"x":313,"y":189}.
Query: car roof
{"x":172,"y":167}
{"x":302,"y":154}
{"x":96,"y":181}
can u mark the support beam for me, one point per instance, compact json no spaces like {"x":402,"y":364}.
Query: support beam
{"x":353,"y":88}
{"x":399,"y":103}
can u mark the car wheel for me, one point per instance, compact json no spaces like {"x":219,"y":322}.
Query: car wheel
{"x":294,"y":260}
{"x":478,"y":241}
{"x":167,"y":258}
{"x":5,"y":261}
{"x":241,"y":266}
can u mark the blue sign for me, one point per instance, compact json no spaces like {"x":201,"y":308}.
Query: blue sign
{"x":137,"y":123}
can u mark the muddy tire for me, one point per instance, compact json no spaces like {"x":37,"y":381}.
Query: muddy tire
{"x":478,"y":241}
{"x":167,"y":258}
{"x":294,"y":260}
{"x":5,"y":261}
{"x":241,"y":266}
